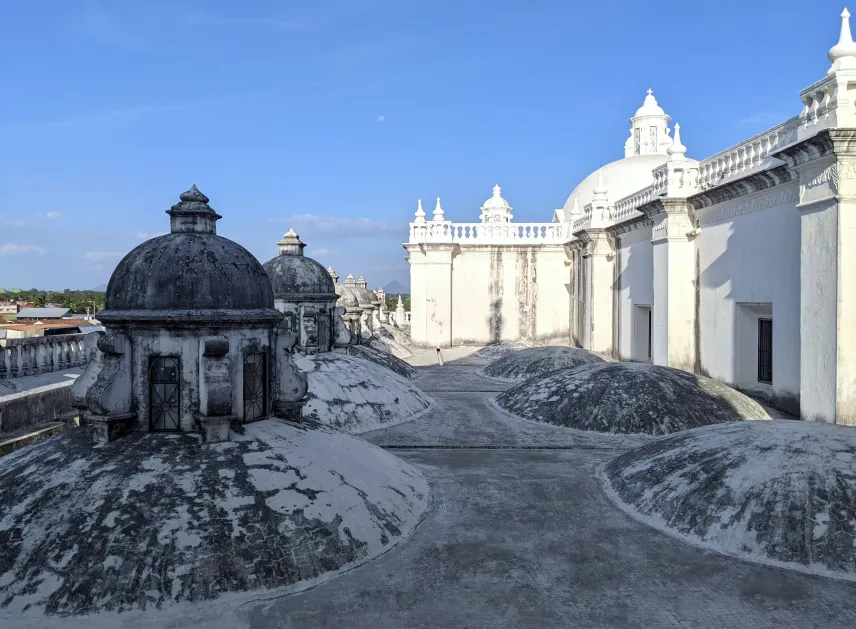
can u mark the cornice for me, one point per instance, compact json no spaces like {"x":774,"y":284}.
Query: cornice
{"x":810,"y":149}
{"x":635,"y":223}
{"x":742,"y":187}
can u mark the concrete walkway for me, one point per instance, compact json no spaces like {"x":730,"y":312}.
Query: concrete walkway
{"x":521,"y":536}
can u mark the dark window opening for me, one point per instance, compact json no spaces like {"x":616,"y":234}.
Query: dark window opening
{"x":164,"y":394}
{"x":765,"y":351}
{"x":649,"y":334}
{"x":255,"y":386}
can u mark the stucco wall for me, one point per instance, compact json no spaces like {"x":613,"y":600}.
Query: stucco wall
{"x":35,"y":406}
{"x":634,"y":286}
{"x":749,"y":253}
{"x":509,"y":293}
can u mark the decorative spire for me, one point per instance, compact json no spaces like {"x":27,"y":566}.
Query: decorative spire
{"x":349,"y":281}
{"x":677,"y":151}
{"x":290,"y":244}
{"x":599,"y":189}
{"x":361,"y":282}
{"x":497,"y":191}
{"x":419,"y":216}
{"x":843,"y":54}
{"x":333,"y":275}
{"x":439,"y":214}
{"x":193,"y":214}
{"x":400,"y":304}
{"x":575,"y":210}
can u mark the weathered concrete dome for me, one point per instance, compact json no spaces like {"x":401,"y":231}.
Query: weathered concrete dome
{"x":295,"y":277}
{"x":780,"y":492}
{"x":347,"y":296}
{"x":356,"y":395}
{"x":535,"y":362}
{"x":384,"y":359}
{"x":154,"y":520}
{"x":628,"y":398}
{"x":189,"y":274}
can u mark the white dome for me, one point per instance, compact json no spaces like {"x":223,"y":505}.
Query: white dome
{"x":496,"y":202}
{"x":649,"y":107}
{"x":621,"y":179}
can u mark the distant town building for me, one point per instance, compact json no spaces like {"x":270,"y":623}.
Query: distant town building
{"x":41,"y":314}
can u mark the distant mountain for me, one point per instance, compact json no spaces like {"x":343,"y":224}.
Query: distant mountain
{"x":101,"y":288}
{"x":396,"y":288}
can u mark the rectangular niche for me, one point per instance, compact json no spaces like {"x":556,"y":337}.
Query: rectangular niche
{"x":753,"y":349}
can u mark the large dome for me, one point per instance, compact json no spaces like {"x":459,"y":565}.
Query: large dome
{"x":622,"y":178}
{"x":190,"y":274}
{"x":295,"y":277}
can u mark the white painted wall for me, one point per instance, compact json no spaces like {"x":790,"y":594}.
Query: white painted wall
{"x":751,"y":257}
{"x":634,"y":287}
{"x":819,"y":271}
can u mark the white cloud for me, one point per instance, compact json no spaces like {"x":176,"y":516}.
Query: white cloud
{"x":380,"y":118}
{"x":344,"y":227}
{"x":13,"y":249}
{"x":149,"y":235}
{"x":101,"y":256}
{"x":53,"y":214}
{"x":16,"y":222}
{"x":319,"y":252}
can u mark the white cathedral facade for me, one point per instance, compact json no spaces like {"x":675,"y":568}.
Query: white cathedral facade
{"x":734,"y":266}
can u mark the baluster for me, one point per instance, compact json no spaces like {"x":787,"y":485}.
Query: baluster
{"x":14,"y":366}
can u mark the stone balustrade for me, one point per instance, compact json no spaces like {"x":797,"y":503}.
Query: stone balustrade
{"x":41,"y":354}
{"x":748,"y":155}
{"x":393,"y":319}
{"x":489,"y":233}
{"x":628,"y":207}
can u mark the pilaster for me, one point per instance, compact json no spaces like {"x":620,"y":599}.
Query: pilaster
{"x":431,"y":311}
{"x":673,"y":313}
{"x":598,"y":257}
{"x":826,"y":167}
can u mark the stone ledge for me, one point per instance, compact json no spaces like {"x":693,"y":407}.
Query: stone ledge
{"x":107,"y":428}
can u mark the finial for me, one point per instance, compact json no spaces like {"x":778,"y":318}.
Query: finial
{"x":497,"y":191}
{"x":400,"y":302}
{"x":290,"y":244}
{"x":599,"y":188}
{"x":575,"y":210}
{"x":650,"y":92}
{"x":193,"y":214}
{"x":439,"y":214}
{"x":349,"y":281}
{"x":361,"y":282}
{"x":677,"y":151}
{"x":420,"y":213}
{"x":193,"y":195}
{"x":843,"y":54}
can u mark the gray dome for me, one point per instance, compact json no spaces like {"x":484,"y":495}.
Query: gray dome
{"x":191,"y":274}
{"x":296,"y":278}
{"x":628,"y":398}
{"x":535,"y":362}
{"x":347,"y":296}
{"x":776,"y":492}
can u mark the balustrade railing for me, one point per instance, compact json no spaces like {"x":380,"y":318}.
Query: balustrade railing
{"x":629,"y":206}
{"x":746,"y":155}
{"x":42,"y":354}
{"x":489,"y":233}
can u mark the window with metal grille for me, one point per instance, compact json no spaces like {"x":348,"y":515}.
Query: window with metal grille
{"x":255,"y":386}
{"x":765,"y":351}
{"x":164,"y":393}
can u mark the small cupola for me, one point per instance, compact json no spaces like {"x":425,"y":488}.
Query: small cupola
{"x":290,"y":244}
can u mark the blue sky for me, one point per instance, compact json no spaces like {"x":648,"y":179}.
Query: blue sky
{"x":112,"y":108}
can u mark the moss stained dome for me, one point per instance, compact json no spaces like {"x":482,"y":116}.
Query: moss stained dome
{"x":189,"y":274}
{"x":152,"y":520}
{"x":628,"y":398}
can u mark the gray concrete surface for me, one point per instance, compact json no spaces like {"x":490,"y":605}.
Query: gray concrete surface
{"x":524,"y":537}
